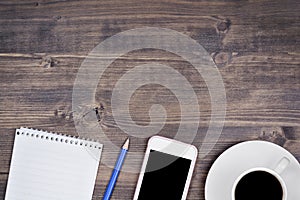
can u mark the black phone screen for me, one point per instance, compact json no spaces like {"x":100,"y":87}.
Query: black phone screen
{"x":165,"y":177}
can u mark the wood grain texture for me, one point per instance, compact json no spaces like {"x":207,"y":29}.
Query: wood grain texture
{"x":255,"y":45}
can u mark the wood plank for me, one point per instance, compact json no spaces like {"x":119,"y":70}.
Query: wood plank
{"x":60,"y":26}
{"x":255,"y":45}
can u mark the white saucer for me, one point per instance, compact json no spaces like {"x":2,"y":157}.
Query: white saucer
{"x":244,"y":156}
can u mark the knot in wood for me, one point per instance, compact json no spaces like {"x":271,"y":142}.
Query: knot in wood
{"x":273,"y":134}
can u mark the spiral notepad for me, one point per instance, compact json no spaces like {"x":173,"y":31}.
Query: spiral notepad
{"x":50,"y":166}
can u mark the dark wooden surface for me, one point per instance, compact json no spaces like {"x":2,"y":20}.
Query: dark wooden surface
{"x":255,"y":45}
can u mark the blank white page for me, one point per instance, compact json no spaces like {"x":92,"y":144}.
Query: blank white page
{"x":47,"y":166}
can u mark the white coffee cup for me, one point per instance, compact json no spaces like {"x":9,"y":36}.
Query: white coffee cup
{"x":280,"y":167}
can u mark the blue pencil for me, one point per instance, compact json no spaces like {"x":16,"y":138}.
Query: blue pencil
{"x":116,"y":171}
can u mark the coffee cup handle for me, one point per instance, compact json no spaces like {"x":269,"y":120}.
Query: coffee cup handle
{"x":282,"y":165}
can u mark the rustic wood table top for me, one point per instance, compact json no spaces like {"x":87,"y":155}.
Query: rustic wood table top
{"x":254,"y":44}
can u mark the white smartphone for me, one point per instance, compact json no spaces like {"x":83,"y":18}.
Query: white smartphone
{"x":166,"y":171}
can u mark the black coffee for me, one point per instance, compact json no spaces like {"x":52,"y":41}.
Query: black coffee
{"x":258,"y":185}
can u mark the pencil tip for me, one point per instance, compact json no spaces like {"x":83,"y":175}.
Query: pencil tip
{"x":126,"y":144}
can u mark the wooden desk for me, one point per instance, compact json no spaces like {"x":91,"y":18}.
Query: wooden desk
{"x":255,"y":45}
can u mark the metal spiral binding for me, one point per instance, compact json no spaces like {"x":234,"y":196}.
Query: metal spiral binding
{"x":63,"y":138}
